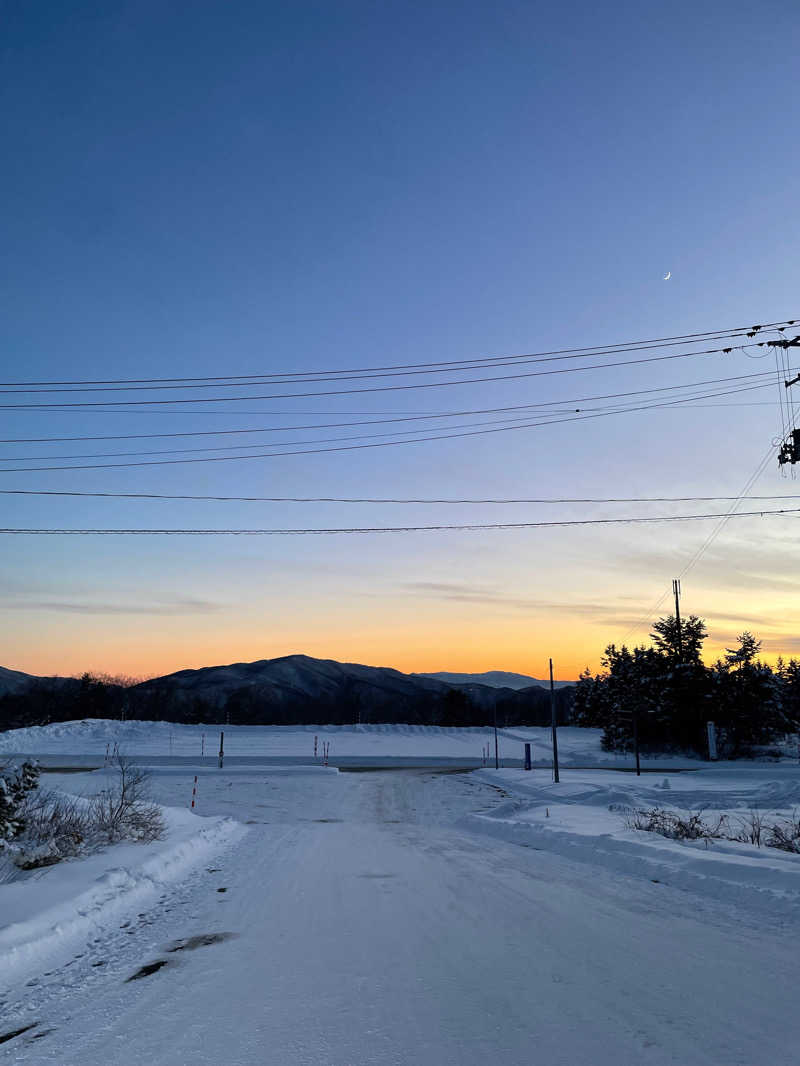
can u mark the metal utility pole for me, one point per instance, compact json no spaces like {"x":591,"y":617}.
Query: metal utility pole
{"x":496,"y":750}
{"x":554,"y":724}
{"x":676,"y":588}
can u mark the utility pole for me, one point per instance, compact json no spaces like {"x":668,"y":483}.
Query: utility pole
{"x":676,"y":588}
{"x":496,"y":750}
{"x":553,"y":724}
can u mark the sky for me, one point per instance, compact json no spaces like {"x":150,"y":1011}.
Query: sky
{"x":238,"y":188}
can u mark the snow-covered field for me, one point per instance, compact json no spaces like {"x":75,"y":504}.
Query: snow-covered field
{"x":76,"y":742}
{"x":305,"y":916}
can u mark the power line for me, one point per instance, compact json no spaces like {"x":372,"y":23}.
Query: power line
{"x":338,"y":375}
{"x":387,"y":420}
{"x":475,"y":526}
{"x":114,"y":404}
{"x":725,"y":518}
{"x":614,"y":348}
{"x":350,"y":447}
{"x":731,"y":512}
{"x":444,"y":500}
{"x":570,"y":402}
{"x":516,"y":423}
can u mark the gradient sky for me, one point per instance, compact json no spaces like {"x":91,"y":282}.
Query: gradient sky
{"x":256,"y":187}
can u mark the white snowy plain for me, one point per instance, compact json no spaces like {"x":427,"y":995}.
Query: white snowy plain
{"x":410,"y":916}
{"x":89,"y":739}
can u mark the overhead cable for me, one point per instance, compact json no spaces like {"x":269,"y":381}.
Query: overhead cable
{"x":468,"y":527}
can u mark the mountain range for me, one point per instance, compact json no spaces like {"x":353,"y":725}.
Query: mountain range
{"x":493,"y":678}
{"x":289,"y":689}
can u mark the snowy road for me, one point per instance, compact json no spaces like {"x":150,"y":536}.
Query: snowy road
{"x":368,"y":928}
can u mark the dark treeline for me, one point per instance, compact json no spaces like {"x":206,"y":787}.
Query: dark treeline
{"x":98,"y":697}
{"x":668,"y":694}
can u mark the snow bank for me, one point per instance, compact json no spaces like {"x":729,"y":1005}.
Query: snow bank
{"x":584,"y":818}
{"x":45,"y":914}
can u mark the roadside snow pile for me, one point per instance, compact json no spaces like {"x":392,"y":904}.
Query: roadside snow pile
{"x":591,"y":816}
{"x":45,"y":913}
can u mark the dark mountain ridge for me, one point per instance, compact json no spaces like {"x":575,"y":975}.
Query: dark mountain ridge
{"x":287,"y":690}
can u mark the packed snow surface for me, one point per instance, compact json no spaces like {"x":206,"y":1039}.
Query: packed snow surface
{"x":411,"y":916}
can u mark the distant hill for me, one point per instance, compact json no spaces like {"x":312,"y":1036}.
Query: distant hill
{"x":494,"y":679}
{"x":13,"y":680}
{"x":16,"y":680}
{"x":300,"y":679}
{"x":292,"y":689}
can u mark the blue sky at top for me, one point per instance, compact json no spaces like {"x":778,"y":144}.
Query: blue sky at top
{"x":223,"y":188}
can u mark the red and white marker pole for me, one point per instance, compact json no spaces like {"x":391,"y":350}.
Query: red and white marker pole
{"x":194,"y":791}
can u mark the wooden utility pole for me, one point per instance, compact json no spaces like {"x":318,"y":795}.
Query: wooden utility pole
{"x":676,"y":588}
{"x":554,"y":724}
{"x":221,"y":749}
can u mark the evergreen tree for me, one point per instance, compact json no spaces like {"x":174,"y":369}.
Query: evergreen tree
{"x":15,"y":786}
{"x":682,"y":644}
{"x":790,"y":694}
{"x":747,"y":698}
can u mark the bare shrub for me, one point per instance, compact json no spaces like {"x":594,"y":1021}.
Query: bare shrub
{"x":59,"y":827}
{"x":125,"y":812}
{"x":56,"y":827}
{"x":751,"y":829}
{"x":754,"y":828}
{"x":785,"y":835}
{"x":672,"y":825}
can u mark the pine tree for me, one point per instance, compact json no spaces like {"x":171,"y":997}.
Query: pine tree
{"x":9,"y":824}
{"x":747,"y":698}
{"x":15,"y":787}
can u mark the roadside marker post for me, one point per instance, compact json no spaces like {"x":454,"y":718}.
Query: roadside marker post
{"x":527,"y":756}
{"x":221,"y":748}
{"x":202,"y":745}
{"x":315,"y":746}
{"x":194,"y":791}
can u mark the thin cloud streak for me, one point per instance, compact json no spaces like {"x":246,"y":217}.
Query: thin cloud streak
{"x":189,"y":606}
{"x":465,"y":593}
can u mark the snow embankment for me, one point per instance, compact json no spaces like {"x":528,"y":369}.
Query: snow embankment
{"x":586,"y":818}
{"x":45,"y":914}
